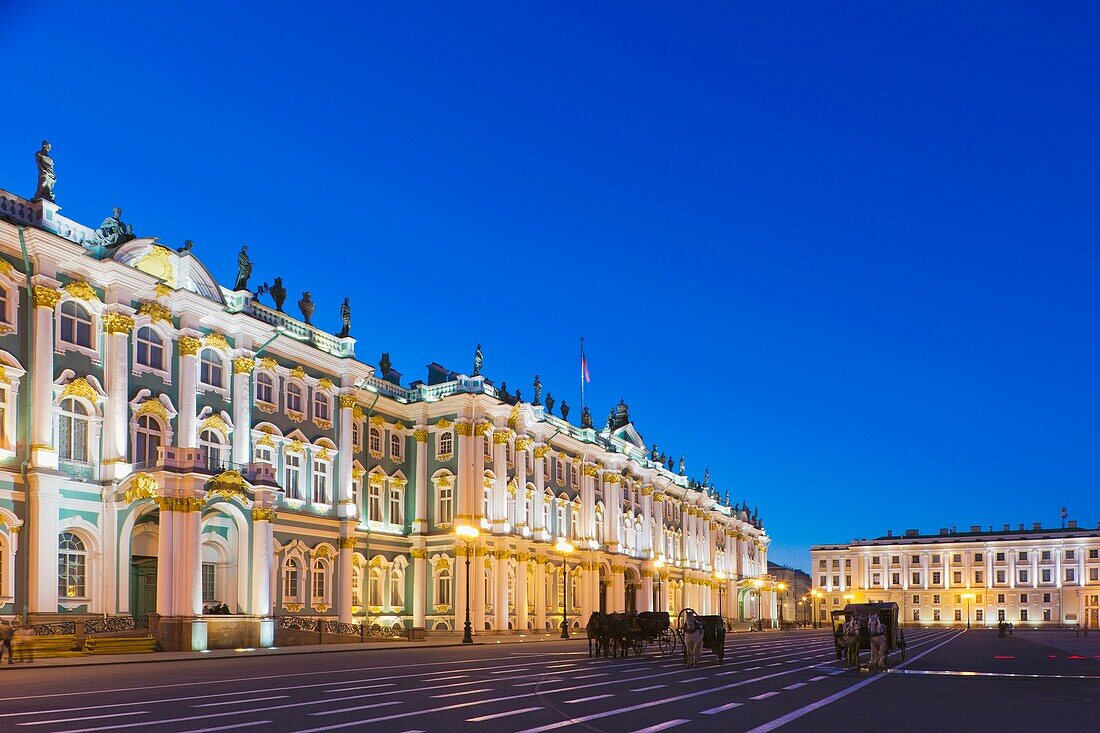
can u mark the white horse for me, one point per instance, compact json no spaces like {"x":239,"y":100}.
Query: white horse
{"x":851,"y":642}
{"x":877,"y":631}
{"x":693,"y":639}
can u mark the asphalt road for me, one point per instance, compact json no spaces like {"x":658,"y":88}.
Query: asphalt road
{"x":952,"y":681}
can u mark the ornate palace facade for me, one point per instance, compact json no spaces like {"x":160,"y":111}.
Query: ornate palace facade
{"x":167,"y":443}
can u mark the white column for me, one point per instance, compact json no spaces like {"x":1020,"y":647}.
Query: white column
{"x":538,"y":509}
{"x":500,"y":482}
{"x":521,"y":591}
{"x":188,"y":347}
{"x":541,"y":601}
{"x":460,"y":585}
{"x":500,"y":582}
{"x":263,"y":560}
{"x":647,"y":545}
{"x":477,"y":588}
{"x":166,"y":560}
{"x":419,"y":586}
{"x":43,"y":450}
{"x":118,"y":327}
{"x":613,"y":520}
{"x":420,"y":516}
{"x":588,"y":502}
{"x":43,"y":503}
{"x":342,"y":493}
{"x":242,"y":409}
{"x":521,"y":519}
{"x":344,"y":571}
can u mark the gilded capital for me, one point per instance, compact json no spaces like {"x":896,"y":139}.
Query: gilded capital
{"x":542,"y":451}
{"x":482,"y":428}
{"x":345,"y":543}
{"x":647,"y":490}
{"x":80,"y":290}
{"x":523,"y":442}
{"x":612,"y":478}
{"x":263,"y":514}
{"x":155,"y":311}
{"x":463,"y":428}
{"x":421,"y":436}
{"x":590,"y":470}
{"x":500,"y":437}
{"x":347,"y":401}
{"x":243,"y":365}
{"x":419,"y":554}
{"x":45,"y":296}
{"x":188,"y":345}
{"x":118,"y":323}
{"x":215,"y":340}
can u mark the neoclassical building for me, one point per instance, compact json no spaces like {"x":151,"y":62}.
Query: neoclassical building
{"x":1033,"y":576}
{"x":167,"y":443}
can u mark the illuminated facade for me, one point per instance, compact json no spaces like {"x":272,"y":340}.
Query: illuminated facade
{"x":167,"y":443}
{"x":1029,"y":577}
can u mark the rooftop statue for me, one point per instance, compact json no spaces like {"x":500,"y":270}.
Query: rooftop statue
{"x":502,"y":391}
{"x":46,"y":176}
{"x":519,"y":397}
{"x":550,"y":403}
{"x":478,"y":359}
{"x":670,"y":468}
{"x":188,"y":245}
{"x":306,"y":305}
{"x":681,"y":465}
{"x":113,"y":232}
{"x":564,"y":410}
{"x":244,"y":269}
{"x":586,"y":417}
{"x":277,"y":292}
{"x":611,"y":419}
{"x":706,"y":476}
{"x":384,"y":364}
{"x":538,"y":390}
{"x":653,"y":453}
{"x":345,"y":319}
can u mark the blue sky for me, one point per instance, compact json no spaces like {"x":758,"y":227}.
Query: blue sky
{"x":843,"y":254}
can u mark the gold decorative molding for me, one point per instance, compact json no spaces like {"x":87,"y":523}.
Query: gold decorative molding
{"x":45,"y":296}
{"x":420,"y":436}
{"x":181,"y":504}
{"x":463,"y":428}
{"x":188,"y":345}
{"x":295,"y":415}
{"x":500,"y":437}
{"x":161,"y":290}
{"x":322,"y":551}
{"x":322,"y":423}
{"x":347,"y":401}
{"x":589,"y":470}
{"x":357,"y":413}
{"x":324,"y":383}
{"x":80,"y":290}
{"x":243,"y":365}
{"x":482,"y":428}
{"x":647,"y":490}
{"x":215,"y":340}
{"x":268,"y":363}
{"x":345,"y":543}
{"x":152,"y":406}
{"x":267,"y":440}
{"x":523,"y":443}
{"x":611,"y":477}
{"x":228,"y":484}
{"x":444,"y":481}
{"x":79,"y":387}
{"x":293,"y":607}
{"x":6,"y":268}
{"x":264,"y":514}
{"x":143,"y":486}
{"x":377,"y":420}
{"x":294,"y":446}
{"x":542,"y":451}
{"x":419,"y":554}
{"x":118,"y":323}
{"x":215,"y":422}
{"x":155,"y":311}
{"x":443,"y":423}
{"x":658,"y":497}
{"x":323,"y":455}
{"x":298,"y":372}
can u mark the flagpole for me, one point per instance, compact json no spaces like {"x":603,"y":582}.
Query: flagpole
{"x":582,"y":373}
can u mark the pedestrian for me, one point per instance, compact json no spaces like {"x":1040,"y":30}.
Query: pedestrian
{"x":1077,"y":630}
{"x":1011,"y":628}
{"x":6,"y":634}
{"x":1000,"y":629}
{"x":24,"y":642}
{"x":1086,"y":629}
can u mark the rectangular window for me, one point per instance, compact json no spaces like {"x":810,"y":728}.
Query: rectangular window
{"x":208,"y":582}
{"x":1000,"y":557}
{"x":836,"y":564}
{"x":1000,"y":614}
{"x":1000,"y":576}
{"x":875,"y":560}
{"x":895,"y":560}
{"x":1046,"y":555}
{"x":978,"y":557}
{"x":1000,"y":598}
{"x":916,"y":578}
{"x":374,"y":502}
{"x":957,"y":557}
{"x":320,"y":482}
{"x":847,"y":563}
{"x":1046,"y":598}
{"x":293,"y":476}
{"x":875,"y":579}
{"x":1094,"y":575}
{"x":397,"y":503}
{"x":916,"y":614}
{"x":958,"y":614}
{"x":1046,"y":614}
{"x":979,"y":615}
{"x":836,"y":580}
{"x":1023,"y":614}
{"x":1023,"y":576}
{"x":1071,"y":575}
{"x":956,"y":578}
{"x":847,"y":581}
{"x":895,"y":578}
{"x":978,"y":575}
{"x":916,"y":600}
{"x":318,"y":576}
{"x":1023,"y":598}
{"x":935,"y":614}
{"x":445,"y":510}
{"x":1071,"y":554}
{"x":823,"y":581}
{"x":1094,"y":554}
{"x":821,"y":564}
{"x":1021,"y":556}
{"x":936,"y":578}
{"x":914,"y":560}
{"x":936,"y":598}
{"x":1045,"y":575}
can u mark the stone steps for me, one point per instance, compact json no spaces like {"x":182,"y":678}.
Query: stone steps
{"x":120,"y":645}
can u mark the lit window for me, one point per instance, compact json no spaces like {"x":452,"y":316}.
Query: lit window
{"x":72,"y":431}
{"x":446,"y":443}
{"x":147,"y":439}
{"x":71,"y":566}
{"x":397,"y":503}
{"x":397,"y":589}
{"x":374,"y":587}
{"x":320,"y":482}
{"x":292,"y":479}
{"x":374,"y":502}
{"x":375,"y":439}
{"x":320,"y":405}
{"x":318,"y":578}
{"x":444,"y":513}
{"x":208,"y":582}
{"x":210,"y":442}
{"x":293,"y":398}
{"x":150,"y":348}
{"x":291,"y":586}
{"x":395,"y":446}
{"x":443,"y":587}
{"x":76,"y":325}
{"x":265,"y":389}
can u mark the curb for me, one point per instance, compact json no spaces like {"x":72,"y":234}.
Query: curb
{"x":280,"y":651}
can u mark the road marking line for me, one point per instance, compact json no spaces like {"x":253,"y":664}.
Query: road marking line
{"x":777,"y":664}
{"x":764,"y":696}
{"x":444,"y":679}
{"x":721,"y":708}
{"x":360,"y":707}
{"x":723,"y":674}
{"x":536,"y":682}
{"x":662,"y":726}
{"x":227,"y":727}
{"x":647,"y":689}
{"x":365,"y":687}
{"x":86,"y":717}
{"x":586,"y":676}
{"x":248,"y":700}
{"x":796,"y":714}
{"x":693,"y":679}
{"x":818,"y":678}
{"x":150,"y":723}
{"x":463,"y":692}
{"x":588,"y":699}
{"x":749,"y":669}
{"x":795,"y":686}
{"x":494,"y":716}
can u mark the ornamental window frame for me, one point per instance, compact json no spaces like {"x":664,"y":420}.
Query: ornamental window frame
{"x":444,"y":444}
{"x":320,"y":481}
{"x":77,"y":567}
{"x":12,"y":374}
{"x":443,"y":580}
{"x":295,"y":392}
{"x":11,"y":287}
{"x":293,"y":493}
{"x":321,"y":405}
{"x":374,"y":441}
{"x":357,"y":435}
{"x":271,"y":389}
{"x":165,"y":346}
{"x":149,"y":436}
{"x":376,"y":498}
{"x":395,"y":585}
{"x":61,"y":317}
{"x":212,"y":361}
{"x":293,"y":568}
{"x":376,"y":585}
{"x":396,"y":440}
{"x":319,"y":571}
{"x":215,"y":447}
{"x":396,"y":500}
{"x":443,"y":485}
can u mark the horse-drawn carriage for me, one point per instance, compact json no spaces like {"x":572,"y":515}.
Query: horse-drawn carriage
{"x":713,"y":633}
{"x":618,"y":634}
{"x":655,"y":627}
{"x":867,"y":626}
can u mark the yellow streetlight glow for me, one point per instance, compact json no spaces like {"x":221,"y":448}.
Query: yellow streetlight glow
{"x":849,"y":597}
{"x":659,"y":563}
{"x":758,"y":583}
{"x":782,"y":586}
{"x":467,"y":532}
{"x":563,"y":547}
{"x":719,"y":575}
{"x":968,"y":596}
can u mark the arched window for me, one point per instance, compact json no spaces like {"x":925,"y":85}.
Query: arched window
{"x":357,"y":587}
{"x":599,"y":523}
{"x":375,"y":438}
{"x":210,"y":442}
{"x":443,"y":586}
{"x":357,"y":436}
{"x":397,"y":588}
{"x":150,"y":348}
{"x":489,"y":585}
{"x":265,"y":389}
{"x":319,"y":576}
{"x":374,"y":587}
{"x":291,"y":581}
{"x":211,"y":370}
{"x":293,"y":397}
{"x":446,"y":444}
{"x":574,"y":591}
{"x":444,"y":511}
{"x":147,"y":439}
{"x":76,"y":325}
{"x":321,"y":405}
{"x":574,"y":521}
{"x":5,"y":305}
{"x":71,"y":566}
{"x":72,"y":431}
{"x":396,"y":444}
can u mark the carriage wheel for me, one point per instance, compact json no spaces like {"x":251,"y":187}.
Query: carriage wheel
{"x":666,"y":642}
{"x":638,"y":645}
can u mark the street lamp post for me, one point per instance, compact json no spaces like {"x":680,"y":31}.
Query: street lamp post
{"x":969,"y":597}
{"x":816,"y":600}
{"x":782,"y":600}
{"x":564,"y":548}
{"x":758,"y":584}
{"x":468,"y":534}
{"x":721,"y":578}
